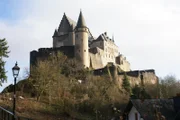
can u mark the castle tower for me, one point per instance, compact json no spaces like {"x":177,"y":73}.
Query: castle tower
{"x":81,"y":41}
{"x":55,"y":38}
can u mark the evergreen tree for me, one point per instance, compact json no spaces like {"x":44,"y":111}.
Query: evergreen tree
{"x":140,"y":93}
{"x":3,"y":54}
{"x":136,"y":92}
{"x":144,"y":94}
{"x":126,"y":84}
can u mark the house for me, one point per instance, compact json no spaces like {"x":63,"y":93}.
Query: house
{"x":153,"y":109}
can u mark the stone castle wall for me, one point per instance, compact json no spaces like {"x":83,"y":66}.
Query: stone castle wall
{"x":145,"y":78}
{"x":100,"y":59}
{"x":43,"y":53}
{"x":64,"y":40}
{"x":139,"y":77}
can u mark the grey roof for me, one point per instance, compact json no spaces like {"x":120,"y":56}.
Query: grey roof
{"x":71,"y":22}
{"x":72,"y":25}
{"x":55,"y":33}
{"x":105,"y":37}
{"x":148,"y":107}
{"x":81,"y":22}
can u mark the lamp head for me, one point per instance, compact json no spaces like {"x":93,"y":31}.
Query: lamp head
{"x":15,"y":70}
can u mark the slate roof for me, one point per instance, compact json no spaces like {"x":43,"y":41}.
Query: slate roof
{"x":104,"y":36}
{"x":81,"y":22}
{"x":55,"y":33}
{"x":72,"y":26}
{"x":148,"y":107}
{"x":71,"y":22}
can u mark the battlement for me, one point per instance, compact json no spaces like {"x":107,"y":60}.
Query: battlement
{"x":43,"y":53}
{"x":137,"y":73}
{"x":133,"y":73}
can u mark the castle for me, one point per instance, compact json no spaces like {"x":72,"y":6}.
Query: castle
{"x":76,"y":41}
{"x":93,"y":52}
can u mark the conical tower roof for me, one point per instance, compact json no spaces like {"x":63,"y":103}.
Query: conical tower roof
{"x":81,"y":22}
{"x":55,"y":33}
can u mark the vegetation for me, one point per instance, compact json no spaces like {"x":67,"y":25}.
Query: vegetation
{"x":126,"y":85}
{"x":3,"y":54}
{"x":61,"y":87}
{"x":169,"y":86}
{"x":139,"y":93}
{"x":70,"y":90}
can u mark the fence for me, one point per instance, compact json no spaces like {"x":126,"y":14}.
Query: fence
{"x":7,"y":115}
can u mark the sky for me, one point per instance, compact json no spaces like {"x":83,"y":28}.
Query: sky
{"x":146,"y":31}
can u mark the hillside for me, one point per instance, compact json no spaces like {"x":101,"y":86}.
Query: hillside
{"x":78,"y":103}
{"x":61,"y":88}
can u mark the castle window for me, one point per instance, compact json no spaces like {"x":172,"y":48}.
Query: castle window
{"x":79,"y":50}
{"x":84,"y":50}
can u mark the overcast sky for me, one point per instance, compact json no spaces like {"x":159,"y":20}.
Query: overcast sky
{"x":146,"y":31}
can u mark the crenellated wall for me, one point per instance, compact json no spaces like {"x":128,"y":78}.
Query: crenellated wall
{"x":145,"y":78}
{"x":140,"y":77}
{"x":43,"y":53}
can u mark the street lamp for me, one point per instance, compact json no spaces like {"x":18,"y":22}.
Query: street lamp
{"x":15,"y":71}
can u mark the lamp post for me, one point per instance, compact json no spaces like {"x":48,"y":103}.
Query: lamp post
{"x":15,"y":71}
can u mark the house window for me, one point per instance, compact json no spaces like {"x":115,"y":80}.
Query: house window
{"x":136,"y":116}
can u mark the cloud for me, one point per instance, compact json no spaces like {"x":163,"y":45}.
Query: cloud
{"x":147,"y":32}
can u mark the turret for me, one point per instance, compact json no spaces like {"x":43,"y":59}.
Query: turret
{"x":81,"y":41}
{"x":55,"y":38}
